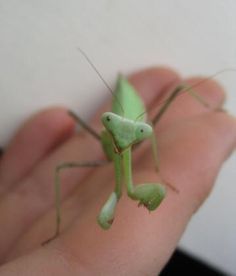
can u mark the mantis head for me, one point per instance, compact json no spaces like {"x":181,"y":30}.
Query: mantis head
{"x":125,"y":132}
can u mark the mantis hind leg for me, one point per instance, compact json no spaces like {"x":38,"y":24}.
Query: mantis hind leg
{"x":57,"y":184}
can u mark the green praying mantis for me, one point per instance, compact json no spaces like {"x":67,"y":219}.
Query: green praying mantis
{"x":124,"y":127}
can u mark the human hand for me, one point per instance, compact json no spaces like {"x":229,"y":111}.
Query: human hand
{"x":193,"y":142}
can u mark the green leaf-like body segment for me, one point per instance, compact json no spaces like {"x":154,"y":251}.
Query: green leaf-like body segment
{"x":127,"y":103}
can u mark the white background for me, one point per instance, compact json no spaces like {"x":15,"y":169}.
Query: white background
{"x":41,"y":66}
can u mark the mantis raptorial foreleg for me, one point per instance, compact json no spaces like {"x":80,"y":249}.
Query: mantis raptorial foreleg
{"x":148,"y":194}
{"x":106,"y":215}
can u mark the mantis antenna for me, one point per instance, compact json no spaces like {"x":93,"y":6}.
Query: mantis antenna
{"x":100,"y":76}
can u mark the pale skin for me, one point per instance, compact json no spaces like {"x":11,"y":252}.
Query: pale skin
{"x":193,"y":143}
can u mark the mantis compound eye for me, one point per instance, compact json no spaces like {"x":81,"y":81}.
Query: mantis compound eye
{"x":143,"y":131}
{"x":108,"y":118}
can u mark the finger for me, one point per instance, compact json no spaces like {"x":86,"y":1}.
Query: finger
{"x":35,"y":139}
{"x":185,"y":105}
